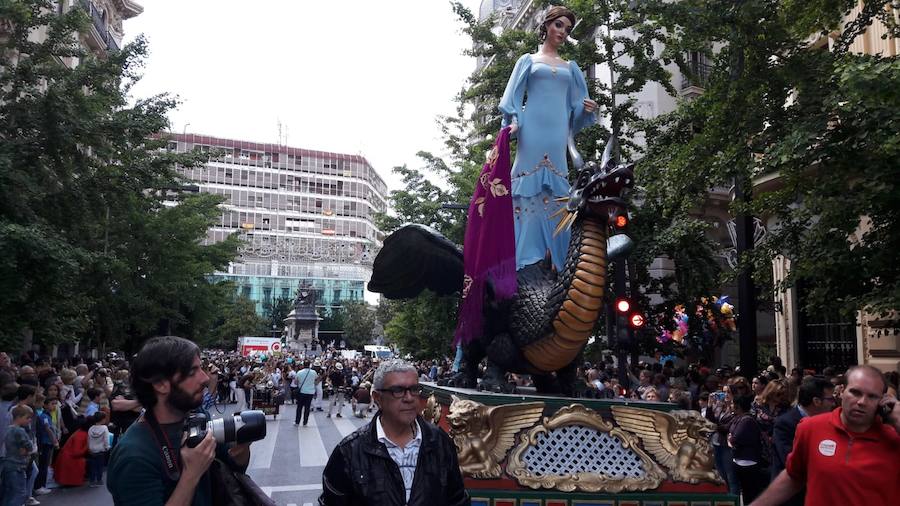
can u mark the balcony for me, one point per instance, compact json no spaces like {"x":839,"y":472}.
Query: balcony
{"x":693,"y":85}
{"x":99,"y":37}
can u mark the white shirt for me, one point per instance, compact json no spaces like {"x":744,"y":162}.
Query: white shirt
{"x":406,"y":457}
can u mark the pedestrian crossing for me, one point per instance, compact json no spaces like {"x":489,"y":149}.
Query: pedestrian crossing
{"x":287,"y":465}
{"x":312,"y":449}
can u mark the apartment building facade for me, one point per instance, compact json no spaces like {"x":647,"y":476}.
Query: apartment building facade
{"x":306,"y":217}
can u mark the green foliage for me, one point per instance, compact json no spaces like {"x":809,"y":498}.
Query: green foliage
{"x":238,"y":318}
{"x":821,"y":125}
{"x":359,"y":324}
{"x":89,"y":248}
{"x":275,"y":314}
{"x":423,"y":327}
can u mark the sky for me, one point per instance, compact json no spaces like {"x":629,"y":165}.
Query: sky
{"x":359,"y":76}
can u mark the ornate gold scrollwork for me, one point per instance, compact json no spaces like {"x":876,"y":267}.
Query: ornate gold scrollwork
{"x":678,"y":440}
{"x":432,"y":412}
{"x":587,"y":481}
{"x":483,"y":435}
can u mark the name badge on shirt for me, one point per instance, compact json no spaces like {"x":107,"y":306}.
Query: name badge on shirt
{"x":827,"y":447}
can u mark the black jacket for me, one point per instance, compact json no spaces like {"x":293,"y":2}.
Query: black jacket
{"x":783,"y":442}
{"x":360,"y":472}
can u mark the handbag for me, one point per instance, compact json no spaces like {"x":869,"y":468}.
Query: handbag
{"x":234,"y":488}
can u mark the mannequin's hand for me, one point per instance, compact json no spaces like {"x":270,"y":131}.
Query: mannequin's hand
{"x":590,"y":105}
{"x":513,"y":128}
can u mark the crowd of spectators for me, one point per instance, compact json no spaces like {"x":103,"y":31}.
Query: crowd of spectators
{"x":76,"y":409}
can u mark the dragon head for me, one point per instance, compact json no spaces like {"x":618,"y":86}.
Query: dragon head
{"x":599,"y":189}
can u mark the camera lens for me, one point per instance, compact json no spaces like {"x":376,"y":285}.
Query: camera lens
{"x":243,"y":427}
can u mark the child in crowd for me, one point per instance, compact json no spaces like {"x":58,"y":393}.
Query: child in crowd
{"x":18,"y":457}
{"x":98,"y":445}
{"x":70,"y":464}
{"x":95,"y":395}
{"x":48,"y":441}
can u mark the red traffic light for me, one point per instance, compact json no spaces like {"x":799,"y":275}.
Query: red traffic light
{"x":621,"y":221}
{"x":637,"y":320}
{"x":623,"y":305}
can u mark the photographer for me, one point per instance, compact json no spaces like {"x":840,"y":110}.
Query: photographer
{"x":149,"y":466}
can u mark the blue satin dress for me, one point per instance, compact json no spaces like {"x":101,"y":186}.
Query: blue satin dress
{"x":555,"y":103}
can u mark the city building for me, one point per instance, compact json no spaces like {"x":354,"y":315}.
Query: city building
{"x":306,"y":217}
{"x":104,"y":32}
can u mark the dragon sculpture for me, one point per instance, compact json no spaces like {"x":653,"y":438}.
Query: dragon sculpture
{"x":678,"y":440}
{"x":544,"y":328}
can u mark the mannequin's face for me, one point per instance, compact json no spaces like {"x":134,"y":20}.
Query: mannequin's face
{"x":558,"y":30}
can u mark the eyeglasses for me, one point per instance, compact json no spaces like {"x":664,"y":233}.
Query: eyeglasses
{"x":399,"y":391}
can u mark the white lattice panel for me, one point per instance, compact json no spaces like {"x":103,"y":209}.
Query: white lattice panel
{"x":577,"y":449}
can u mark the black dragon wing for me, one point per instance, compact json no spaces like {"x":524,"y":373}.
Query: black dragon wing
{"x":413,"y":258}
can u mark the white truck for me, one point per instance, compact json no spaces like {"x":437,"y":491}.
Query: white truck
{"x":381,"y":352}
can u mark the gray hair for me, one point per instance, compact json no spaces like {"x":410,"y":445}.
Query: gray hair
{"x":394,"y":365}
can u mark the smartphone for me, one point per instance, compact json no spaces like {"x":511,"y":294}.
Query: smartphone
{"x":885,"y":410}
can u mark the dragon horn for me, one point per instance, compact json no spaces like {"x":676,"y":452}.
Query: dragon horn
{"x":572,"y":220}
{"x":561,"y":225}
{"x":564,"y":223}
{"x":561,"y":199}
{"x":557,"y":213}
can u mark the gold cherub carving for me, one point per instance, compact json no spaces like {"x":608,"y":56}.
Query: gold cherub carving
{"x":677,"y":439}
{"x":483,"y":435}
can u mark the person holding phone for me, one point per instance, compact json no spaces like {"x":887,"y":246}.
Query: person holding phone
{"x":847,"y":456}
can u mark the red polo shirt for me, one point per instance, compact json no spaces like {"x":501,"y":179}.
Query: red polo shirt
{"x":843,"y":467}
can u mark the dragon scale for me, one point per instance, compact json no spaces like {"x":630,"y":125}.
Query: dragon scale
{"x":575,"y":301}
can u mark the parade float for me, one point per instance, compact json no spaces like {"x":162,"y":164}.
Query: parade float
{"x":546,"y":448}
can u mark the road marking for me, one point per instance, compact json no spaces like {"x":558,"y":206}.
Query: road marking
{"x":261,"y":455}
{"x":291,"y":488}
{"x":312,"y":450}
{"x":307,"y":504}
{"x":344,"y":426}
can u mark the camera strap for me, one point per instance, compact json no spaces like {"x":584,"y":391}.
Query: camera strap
{"x":168,"y":454}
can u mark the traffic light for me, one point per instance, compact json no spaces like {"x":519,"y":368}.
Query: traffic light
{"x":629,"y":315}
{"x":636,"y":320}
{"x":619,"y":220}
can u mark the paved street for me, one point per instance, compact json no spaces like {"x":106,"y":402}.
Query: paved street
{"x":287,"y":465}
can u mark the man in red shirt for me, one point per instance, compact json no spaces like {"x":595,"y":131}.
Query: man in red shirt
{"x":847,"y":456}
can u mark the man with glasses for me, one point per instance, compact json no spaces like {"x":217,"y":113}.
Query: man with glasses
{"x":847,"y":456}
{"x":815,"y":396}
{"x":398,"y":458}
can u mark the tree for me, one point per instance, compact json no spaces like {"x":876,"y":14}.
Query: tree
{"x":90,"y":249}
{"x":239,"y":318}
{"x":275,"y":314}
{"x":359,"y":323}
{"x":822,"y":122}
{"x":423,"y":327}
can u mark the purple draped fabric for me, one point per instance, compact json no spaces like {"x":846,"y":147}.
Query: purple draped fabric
{"x":489,"y":250}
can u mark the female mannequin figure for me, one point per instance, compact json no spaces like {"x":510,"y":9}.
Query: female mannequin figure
{"x":557,"y":101}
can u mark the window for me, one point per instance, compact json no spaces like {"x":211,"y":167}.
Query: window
{"x":267,"y":294}
{"x":245,"y":291}
{"x":285,"y":293}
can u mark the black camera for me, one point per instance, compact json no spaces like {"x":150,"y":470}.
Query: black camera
{"x":243,"y":427}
